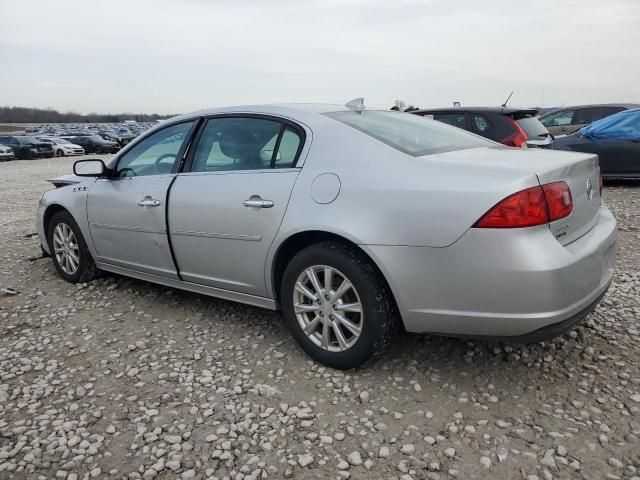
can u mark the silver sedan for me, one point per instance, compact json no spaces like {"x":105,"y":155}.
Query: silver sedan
{"x":353,"y":222}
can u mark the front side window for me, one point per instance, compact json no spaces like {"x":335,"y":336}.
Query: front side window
{"x":239,"y":143}
{"x":558,"y":119}
{"x":408,"y":133}
{"x":157,"y":154}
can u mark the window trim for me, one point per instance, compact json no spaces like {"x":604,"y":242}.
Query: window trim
{"x":180,"y":156}
{"x":284,"y":122}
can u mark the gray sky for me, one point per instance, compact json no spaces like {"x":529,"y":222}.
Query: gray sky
{"x":176,"y":56}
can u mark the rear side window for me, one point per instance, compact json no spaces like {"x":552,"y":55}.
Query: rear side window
{"x":238,"y":143}
{"x":408,"y":133}
{"x":480,"y":122}
{"x":588,"y":115}
{"x":454,"y":119}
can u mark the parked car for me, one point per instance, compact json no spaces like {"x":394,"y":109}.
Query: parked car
{"x":514,"y":127}
{"x":616,"y":141}
{"x":571,"y":119}
{"x":27,"y":148}
{"x":6,"y":153}
{"x":383,"y":218}
{"x":95,"y":144}
{"x":62,"y":147}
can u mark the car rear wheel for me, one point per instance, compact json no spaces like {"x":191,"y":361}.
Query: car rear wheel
{"x":336,"y":305}
{"x":26,"y":155}
{"x":98,"y":150}
{"x":69,"y":251}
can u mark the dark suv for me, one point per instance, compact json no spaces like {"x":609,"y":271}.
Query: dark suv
{"x":515,"y":127}
{"x":95,"y":144}
{"x":27,"y":148}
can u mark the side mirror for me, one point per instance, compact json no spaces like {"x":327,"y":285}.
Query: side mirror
{"x":89,"y":168}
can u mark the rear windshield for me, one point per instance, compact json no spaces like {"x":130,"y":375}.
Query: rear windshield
{"x":533,"y":127}
{"x":410,"y":133}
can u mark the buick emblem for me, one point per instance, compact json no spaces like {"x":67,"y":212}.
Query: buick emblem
{"x":589,"y":189}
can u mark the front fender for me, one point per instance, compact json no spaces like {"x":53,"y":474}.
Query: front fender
{"x":71,"y":197}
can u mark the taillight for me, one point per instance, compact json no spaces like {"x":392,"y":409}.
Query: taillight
{"x":530,"y":207}
{"x":559,"y":201}
{"x":518,"y":138}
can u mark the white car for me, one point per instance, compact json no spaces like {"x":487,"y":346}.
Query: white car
{"x":62,"y":147}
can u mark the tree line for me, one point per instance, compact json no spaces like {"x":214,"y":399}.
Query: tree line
{"x":39,"y":115}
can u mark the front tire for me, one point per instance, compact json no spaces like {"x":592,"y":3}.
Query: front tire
{"x":69,"y":251}
{"x":337,"y":305}
{"x":98,"y":150}
{"x":59,"y":153}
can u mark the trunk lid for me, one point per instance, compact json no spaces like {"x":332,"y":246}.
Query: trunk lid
{"x":579,"y":170}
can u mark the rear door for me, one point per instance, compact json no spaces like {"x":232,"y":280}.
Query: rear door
{"x":127,"y":212}
{"x":226,"y":209}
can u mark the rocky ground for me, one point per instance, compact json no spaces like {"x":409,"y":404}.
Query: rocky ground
{"x":120,"y":378}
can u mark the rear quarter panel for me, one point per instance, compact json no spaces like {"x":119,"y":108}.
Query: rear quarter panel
{"x":390,"y":198}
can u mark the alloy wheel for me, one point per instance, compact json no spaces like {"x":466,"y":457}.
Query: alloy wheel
{"x":66,"y":249}
{"x":328,"y":308}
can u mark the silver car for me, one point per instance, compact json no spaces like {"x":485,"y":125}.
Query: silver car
{"x":353,"y":222}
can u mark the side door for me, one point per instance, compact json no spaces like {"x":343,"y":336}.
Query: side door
{"x":226,"y":208}
{"x":127,"y":212}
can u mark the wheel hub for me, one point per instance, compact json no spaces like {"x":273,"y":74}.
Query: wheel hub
{"x":328,"y":308}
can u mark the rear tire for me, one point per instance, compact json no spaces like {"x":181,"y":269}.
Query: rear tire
{"x":364,"y":312}
{"x":26,"y":155}
{"x":98,"y":150}
{"x":69,"y":251}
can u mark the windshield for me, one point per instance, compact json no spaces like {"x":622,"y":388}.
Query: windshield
{"x":27,"y":140}
{"x":60,"y":141}
{"x":533,"y":127}
{"x":410,"y":133}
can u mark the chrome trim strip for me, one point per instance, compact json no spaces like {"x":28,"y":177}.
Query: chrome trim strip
{"x":227,"y":236}
{"x":131,"y":229}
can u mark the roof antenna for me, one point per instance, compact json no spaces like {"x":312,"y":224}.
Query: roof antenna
{"x":507,"y":100}
{"x":356,"y":104}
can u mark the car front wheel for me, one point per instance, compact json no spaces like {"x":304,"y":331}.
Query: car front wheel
{"x":337,"y":305}
{"x":69,"y":251}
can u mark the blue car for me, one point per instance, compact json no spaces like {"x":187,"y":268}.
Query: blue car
{"x":615,"y":139}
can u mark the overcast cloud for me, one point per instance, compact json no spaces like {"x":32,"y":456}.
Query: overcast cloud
{"x":176,"y":56}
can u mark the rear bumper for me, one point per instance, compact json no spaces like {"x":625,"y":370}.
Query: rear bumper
{"x":501,"y":283}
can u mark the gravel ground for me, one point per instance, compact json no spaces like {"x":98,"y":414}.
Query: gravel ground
{"x":120,"y":378}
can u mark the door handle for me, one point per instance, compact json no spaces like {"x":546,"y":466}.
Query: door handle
{"x":149,"y":202}
{"x":256,"y":202}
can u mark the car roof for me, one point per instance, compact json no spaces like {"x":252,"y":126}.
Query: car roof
{"x":501,"y":110}
{"x":626,"y":105}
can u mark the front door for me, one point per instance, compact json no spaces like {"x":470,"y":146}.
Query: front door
{"x":226,"y":210}
{"x":127,"y":212}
